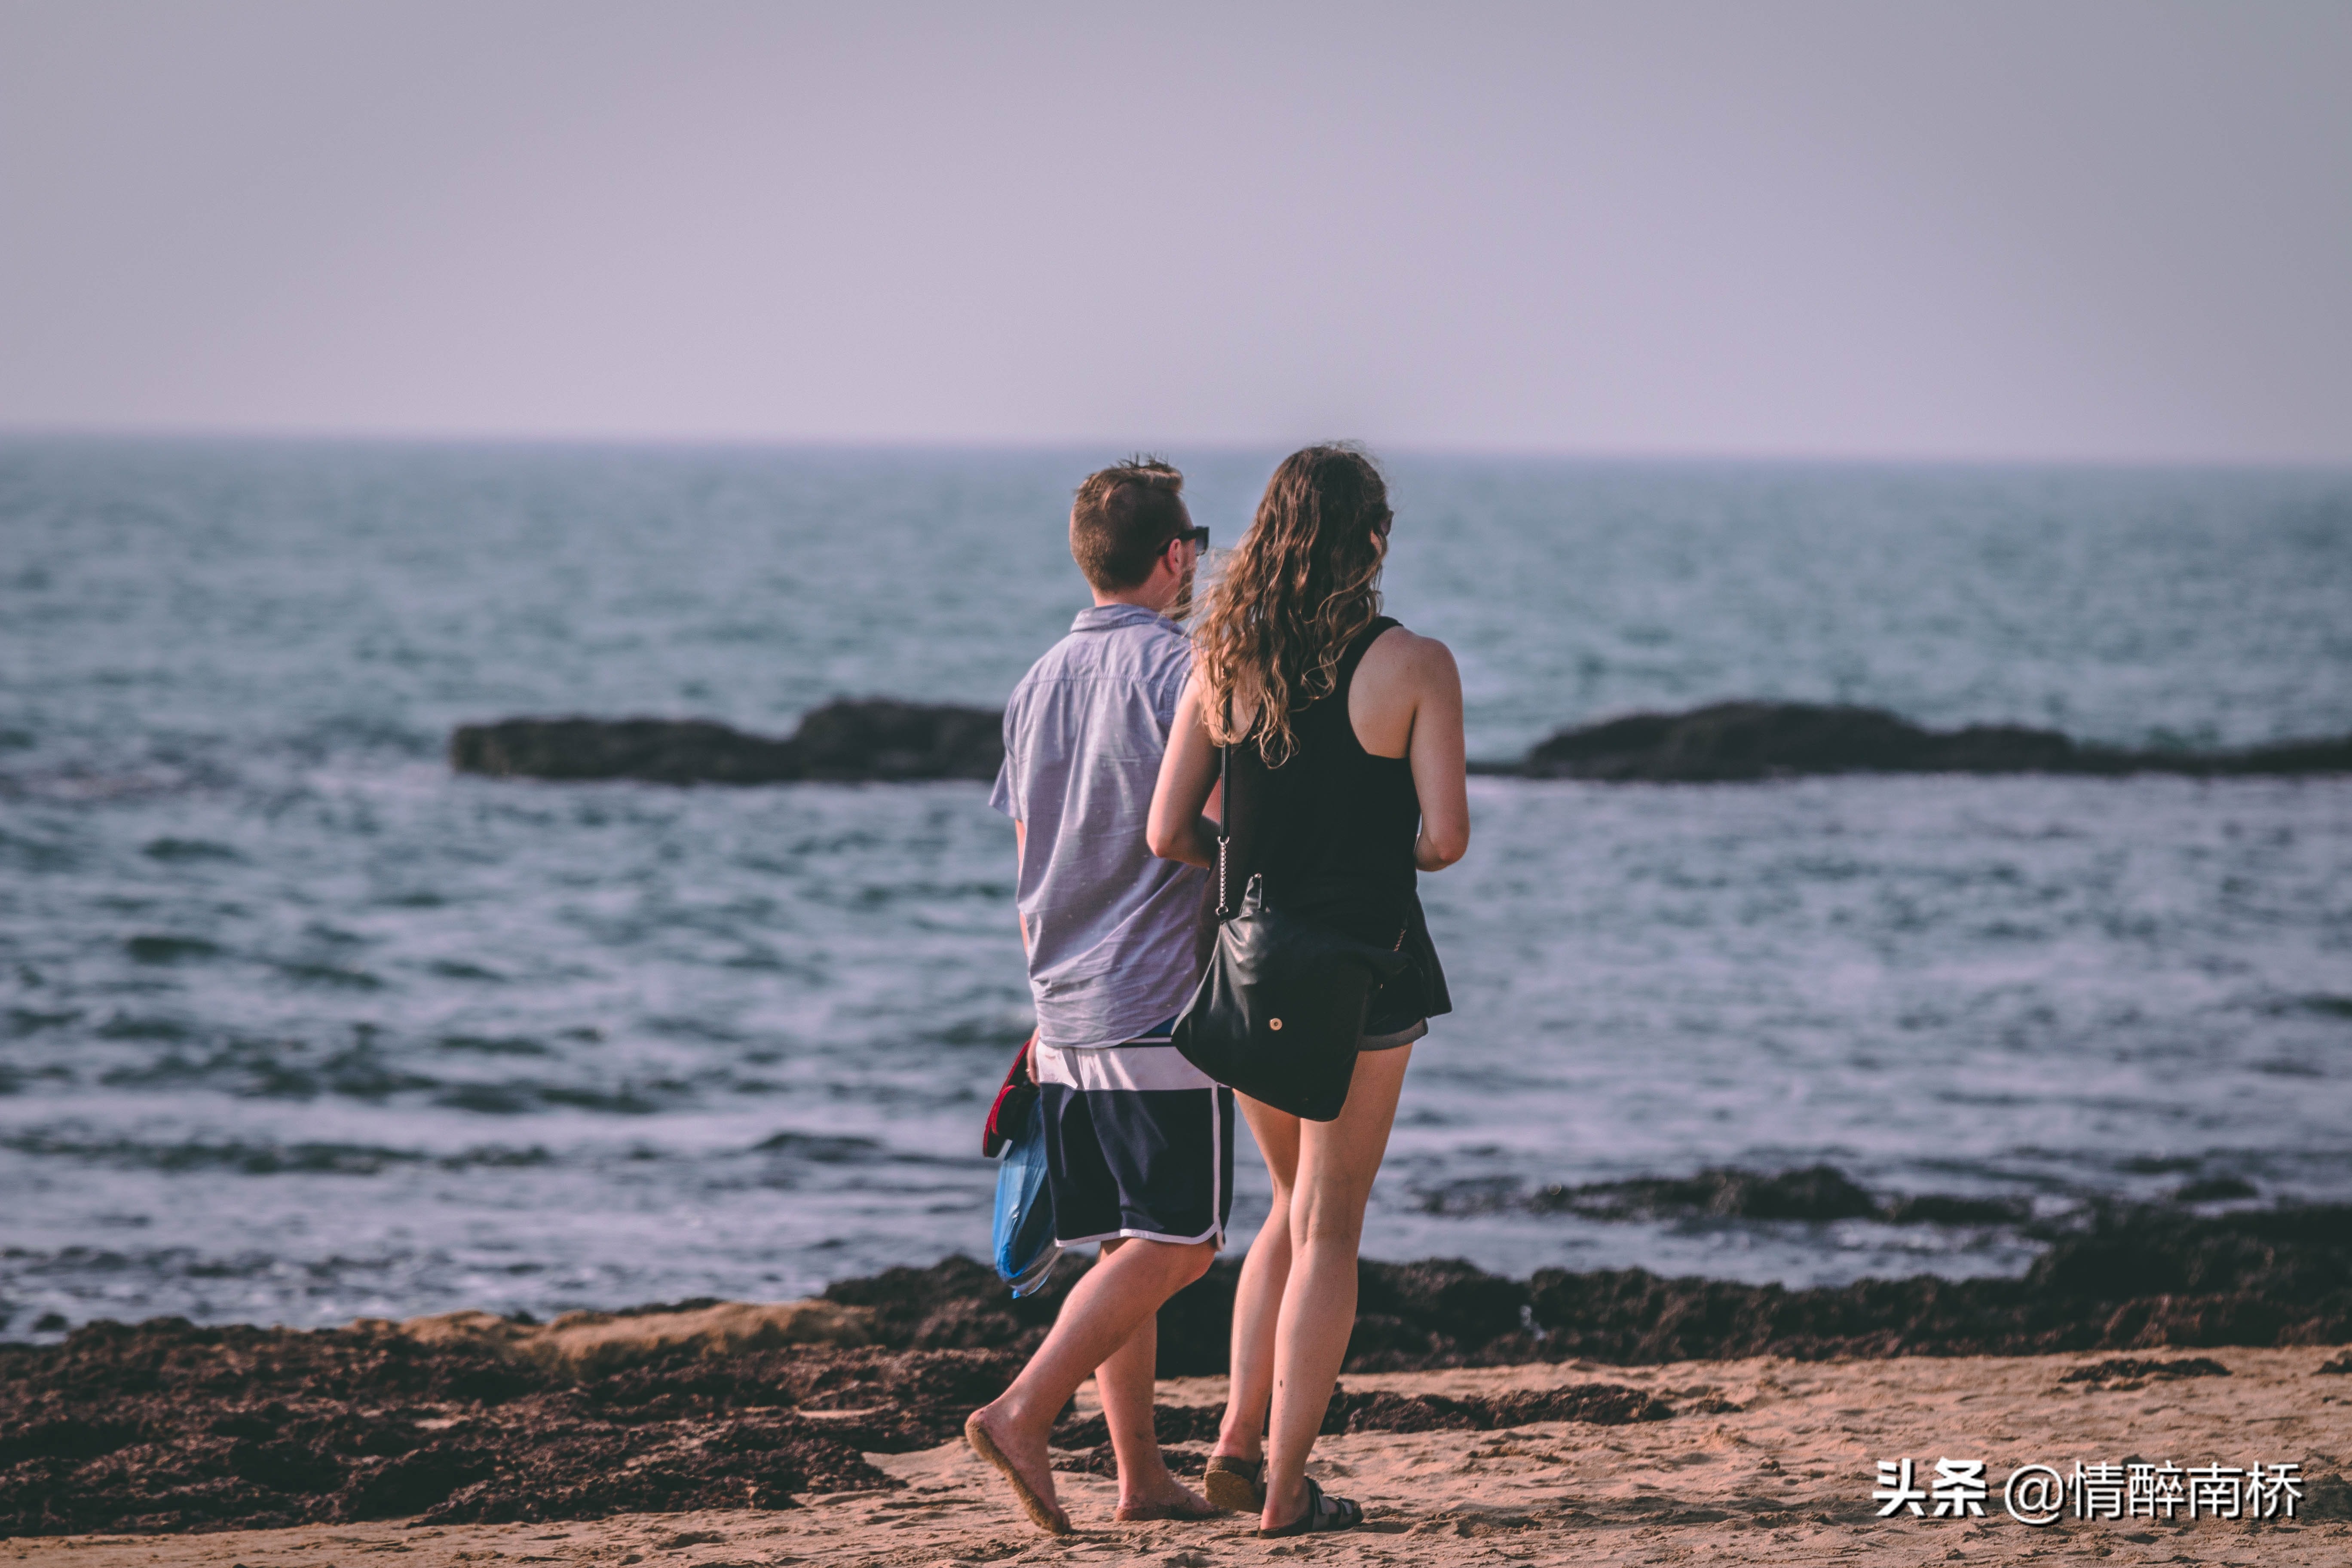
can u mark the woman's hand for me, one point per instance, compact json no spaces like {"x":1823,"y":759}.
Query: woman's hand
{"x":1188,"y":778}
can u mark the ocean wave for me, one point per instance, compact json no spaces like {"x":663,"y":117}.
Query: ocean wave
{"x":519,"y":1097}
{"x":258,"y":1159}
{"x":149,"y":947}
{"x":187,"y":851}
{"x":822,"y":1148}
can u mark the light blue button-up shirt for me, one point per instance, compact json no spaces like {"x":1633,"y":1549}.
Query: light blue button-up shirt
{"x":1116,"y":933}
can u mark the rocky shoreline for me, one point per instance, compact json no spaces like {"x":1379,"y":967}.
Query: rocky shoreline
{"x":2119,"y":1278}
{"x":471,"y":1418}
{"x":1736,"y":742}
{"x":846,"y":740}
{"x":881,"y":741}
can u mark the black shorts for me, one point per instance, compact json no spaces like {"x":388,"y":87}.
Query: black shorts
{"x":1390,"y":1039}
{"x":1139,"y":1142}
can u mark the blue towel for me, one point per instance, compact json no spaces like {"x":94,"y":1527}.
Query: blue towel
{"x":1026,"y":1248}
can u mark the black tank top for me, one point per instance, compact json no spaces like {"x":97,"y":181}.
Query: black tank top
{"x":1332,"y":832}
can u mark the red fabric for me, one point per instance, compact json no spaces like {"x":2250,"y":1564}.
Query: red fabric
{"x":1012,"y":1101}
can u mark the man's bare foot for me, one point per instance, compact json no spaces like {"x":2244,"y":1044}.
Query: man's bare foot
{"x":1023,"y":1464}
{"x":1169,"y":1500}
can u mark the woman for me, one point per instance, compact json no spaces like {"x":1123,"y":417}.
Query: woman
{"x":1345,"y":777}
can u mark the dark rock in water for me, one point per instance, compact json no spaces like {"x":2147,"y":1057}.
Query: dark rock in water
{"x":2214,"y":1190}
{"x":1943,"y":1208}
{"x":1816,"y":1192}
{"x":878,"y":739}
{"x":659,"y":751}
{"x":1765,"y":740}
{"x":1735,"y":742}
{"x":843,"y":742}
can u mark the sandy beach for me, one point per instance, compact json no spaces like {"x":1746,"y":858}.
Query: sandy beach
{"x":1767,"y":1460}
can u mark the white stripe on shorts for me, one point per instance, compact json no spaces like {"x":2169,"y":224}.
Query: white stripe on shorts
{"x":1143,"y":1065}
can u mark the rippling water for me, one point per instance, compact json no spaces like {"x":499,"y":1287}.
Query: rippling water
{"x":296,"y":1025}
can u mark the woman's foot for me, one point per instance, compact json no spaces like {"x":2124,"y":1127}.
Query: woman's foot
{"x":1320,"y":1514}
{"x":1170,"y":1499}
{"x":1023,"y":1461}
{"x":1235,"y":1484}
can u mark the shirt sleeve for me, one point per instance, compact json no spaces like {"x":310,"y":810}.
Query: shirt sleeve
{"x":1168,"y":685}
{"x":1006,"y":795}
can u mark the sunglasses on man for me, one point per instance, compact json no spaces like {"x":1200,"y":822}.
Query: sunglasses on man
{"x":1198,"y":536}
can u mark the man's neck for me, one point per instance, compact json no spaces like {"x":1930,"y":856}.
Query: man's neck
{"x":1142,"y":599}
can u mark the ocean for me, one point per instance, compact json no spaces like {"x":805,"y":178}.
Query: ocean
{"x":296,"y":1025}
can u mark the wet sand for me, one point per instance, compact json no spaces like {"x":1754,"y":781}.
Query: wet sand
{"x":1769,"y":1461}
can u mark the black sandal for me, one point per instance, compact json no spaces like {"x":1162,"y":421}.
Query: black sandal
{"x":1322,"y":1513}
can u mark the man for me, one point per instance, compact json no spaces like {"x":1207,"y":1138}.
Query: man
{"x":1140,"y":1145}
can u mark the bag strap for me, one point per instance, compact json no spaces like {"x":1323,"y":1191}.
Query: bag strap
{"x":1225,"y":828}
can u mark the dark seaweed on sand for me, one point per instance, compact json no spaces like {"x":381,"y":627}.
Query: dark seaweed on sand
{"x":166,"y":1426}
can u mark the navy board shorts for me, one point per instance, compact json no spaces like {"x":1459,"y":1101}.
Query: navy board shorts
{"x":1139,"y":1142}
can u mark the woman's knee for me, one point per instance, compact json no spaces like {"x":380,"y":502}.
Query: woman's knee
{"x":1326,"y":1216}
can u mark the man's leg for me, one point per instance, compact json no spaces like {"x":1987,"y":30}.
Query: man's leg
{"x":1124,"y":1381}
{"x":1117,"y":1297}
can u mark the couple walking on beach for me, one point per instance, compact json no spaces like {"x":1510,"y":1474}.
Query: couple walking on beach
{"x":1339,"y":735}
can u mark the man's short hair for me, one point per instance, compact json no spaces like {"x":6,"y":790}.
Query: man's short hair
{"x":1123,"y":517}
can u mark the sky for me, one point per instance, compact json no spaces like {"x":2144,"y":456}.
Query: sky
{"x":2068,"y":231}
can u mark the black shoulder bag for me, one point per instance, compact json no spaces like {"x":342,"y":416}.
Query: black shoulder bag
{"x":1279,"y":1012}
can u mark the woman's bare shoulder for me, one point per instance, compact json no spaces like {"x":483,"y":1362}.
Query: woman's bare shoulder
{"x":1400,"y":654}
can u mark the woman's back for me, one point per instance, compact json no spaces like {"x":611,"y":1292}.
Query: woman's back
{"x":1332,"y":831}
{"x":1334,"y":821}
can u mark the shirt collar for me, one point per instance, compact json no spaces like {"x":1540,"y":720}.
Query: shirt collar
{"x":1102,"y":617}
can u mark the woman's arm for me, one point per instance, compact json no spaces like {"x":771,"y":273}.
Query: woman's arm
{"x":1188,"y":776}
{"x":1020,"y":857}
{"x":1439,"y":776}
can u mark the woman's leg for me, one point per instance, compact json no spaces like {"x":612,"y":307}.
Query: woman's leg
{"x":1337,"y":1162}
{"x":1257,"y":1297}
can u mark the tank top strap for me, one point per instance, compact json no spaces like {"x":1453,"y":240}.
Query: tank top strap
{"x":1355,"y":655}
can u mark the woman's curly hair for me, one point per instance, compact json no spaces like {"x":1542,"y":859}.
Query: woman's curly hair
{"x":1300,"y":587}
